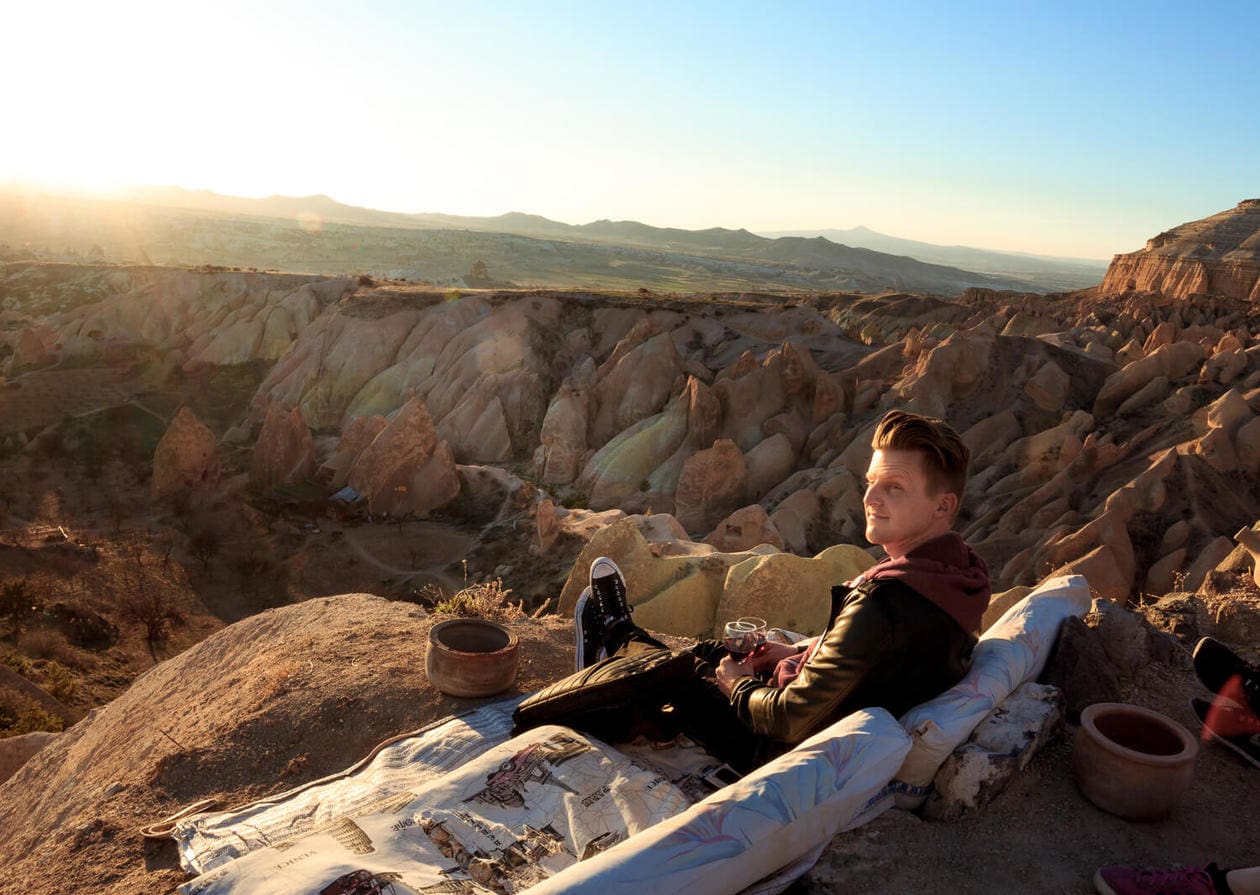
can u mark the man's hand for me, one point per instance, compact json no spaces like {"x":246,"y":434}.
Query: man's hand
{"x":769,"y":655}
{"x":728,"y":672}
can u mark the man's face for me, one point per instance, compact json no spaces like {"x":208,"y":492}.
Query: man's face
{"x":902,"y":510}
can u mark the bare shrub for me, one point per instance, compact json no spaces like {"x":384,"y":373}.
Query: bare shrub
{"x":151,"y":607}
{"x":205,"y":544}
{"x":47,"y":643}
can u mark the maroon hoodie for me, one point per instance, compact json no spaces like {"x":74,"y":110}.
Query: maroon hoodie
{"x":944,"y":570}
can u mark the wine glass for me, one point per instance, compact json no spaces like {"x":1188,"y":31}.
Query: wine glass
{"x":758,"y":631}
{"x":739,"y":637}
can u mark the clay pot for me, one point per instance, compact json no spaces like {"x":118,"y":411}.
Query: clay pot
{"x":471,"y":657}
{"x":1132,"y":762}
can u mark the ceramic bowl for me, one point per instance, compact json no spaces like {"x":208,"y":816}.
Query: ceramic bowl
{"x":1132,"y":762}
{"x":471,"y":657}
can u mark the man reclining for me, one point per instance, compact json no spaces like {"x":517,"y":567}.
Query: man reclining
{"x":899,"y":634}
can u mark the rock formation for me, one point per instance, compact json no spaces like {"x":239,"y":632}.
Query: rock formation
{"x":184,"y":460}
{"x":1219,"y":254}
{"x":284,"y":453}
{"x":406,"y":469}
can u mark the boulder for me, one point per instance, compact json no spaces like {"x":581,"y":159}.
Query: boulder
{"x":1124,"y":638}
{"x":949,"y":372}
{"x":711,"y":486}
{"x":1237,"y":620}
{"x":1101,"y":569}
{"x":1175,"y":535}
{"x":184,"y":460}
{"x":770,"y":462}
{"x":623,"y":470}
{"x":685,"y":589}
{"x":1249,"y":540}
{"x":1247,"y":447}
{"x":1079,"y":667}
{"x":1227,"y":413}
{"x":1049,"y":387}
{"x":793,"y":518}
{"x":744,"y":529}
{"x":284,"y":453}
{"x":1207,"y":559}
{"x":1172,"y":361}
{"x":1155,"y":390}
{"x":988,"y":438}
{"x":547,"y":525}
{"x":406,"y":470}
{"x":788,"y":591}
{"x":1161,"y":577}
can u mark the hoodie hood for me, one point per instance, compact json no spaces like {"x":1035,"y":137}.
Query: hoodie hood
{"x":944,"y":570}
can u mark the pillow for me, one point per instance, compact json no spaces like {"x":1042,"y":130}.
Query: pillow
{"x":1014,"y":650}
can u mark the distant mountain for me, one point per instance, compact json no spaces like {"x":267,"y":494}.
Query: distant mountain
{"x":312,"y":233}
{"x":1047,"y":271}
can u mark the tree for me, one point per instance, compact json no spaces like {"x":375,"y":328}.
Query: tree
{"x":151,"y":606}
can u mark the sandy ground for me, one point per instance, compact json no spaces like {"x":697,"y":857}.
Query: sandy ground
{"x":294,"y":695}
{"x":1042,"y":836}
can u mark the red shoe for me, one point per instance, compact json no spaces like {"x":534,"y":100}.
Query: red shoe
{"x":1233,"y":726}
{"x":1126,"y":881}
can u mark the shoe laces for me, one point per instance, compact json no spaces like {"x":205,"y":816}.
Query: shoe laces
{"x":610,"y":591}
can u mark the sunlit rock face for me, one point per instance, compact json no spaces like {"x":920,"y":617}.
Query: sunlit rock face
{"x":1219,"y":254}
{"x":407,"y":469}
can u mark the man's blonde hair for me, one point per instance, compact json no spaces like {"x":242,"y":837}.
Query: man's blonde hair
{"x":945,"y":457}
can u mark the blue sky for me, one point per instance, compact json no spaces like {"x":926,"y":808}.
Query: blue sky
{"x":1071,"y":129}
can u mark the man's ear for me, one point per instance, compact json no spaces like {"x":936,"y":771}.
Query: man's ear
{"x":947,"y":504}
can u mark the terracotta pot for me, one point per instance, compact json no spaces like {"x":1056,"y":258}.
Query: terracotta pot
{"x":471,"y":657}
{"x":1131,"y":761}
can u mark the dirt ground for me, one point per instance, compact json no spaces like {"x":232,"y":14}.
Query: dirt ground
{"x":300,"y":693}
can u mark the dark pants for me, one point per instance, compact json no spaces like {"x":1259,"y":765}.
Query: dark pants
{"x":696,"y":707}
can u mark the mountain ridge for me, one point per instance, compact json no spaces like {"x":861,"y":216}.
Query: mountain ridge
{"x":1037,"y":272}
{"x":317,"y":234}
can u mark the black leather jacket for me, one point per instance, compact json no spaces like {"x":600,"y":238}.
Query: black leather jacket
{"x":885,"y":645}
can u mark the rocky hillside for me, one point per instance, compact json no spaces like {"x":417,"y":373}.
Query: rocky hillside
{"x":1219,"y":254}
{"x":1117,"y":437}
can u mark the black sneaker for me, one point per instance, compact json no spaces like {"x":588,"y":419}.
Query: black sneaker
{"x":589,"y":628}
{"x":1216,"y":666}
{"x":609,"y":587}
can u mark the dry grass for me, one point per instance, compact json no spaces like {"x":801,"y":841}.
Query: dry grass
{"x":47,"y":643}
{"x":482,"y":599}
